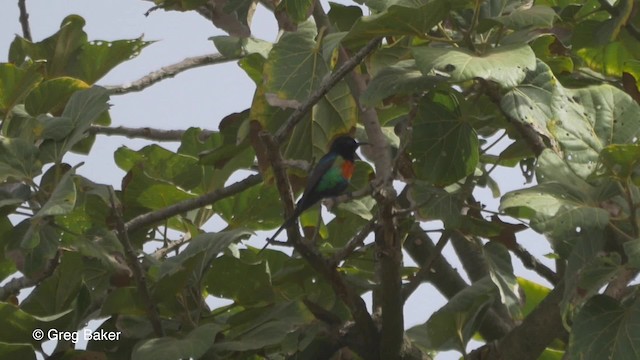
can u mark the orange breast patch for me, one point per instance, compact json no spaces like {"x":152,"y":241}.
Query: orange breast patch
{"x":347,"y":169}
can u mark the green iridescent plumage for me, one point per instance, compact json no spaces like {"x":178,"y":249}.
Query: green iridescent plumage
{"x":329,"y":178}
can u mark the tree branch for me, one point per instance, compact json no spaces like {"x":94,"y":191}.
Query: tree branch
{"x":447,"y":280}
{"x":169,"y":72}
{"x":171,"y":245}
{"x":24,"y":20}
{"x":425,"y":269}
{"x":530,"y":262}
{"x":356,"y":241}
{"x":366,"y":328}
{"x":138,"y":273}
{"x":14,"y":286}
{"x":146,"y":133}
{"x":192,"y":204}
{"x":528,"y":340}
{"x":388,"y":242}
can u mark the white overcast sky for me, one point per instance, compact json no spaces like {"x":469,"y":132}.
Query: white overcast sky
{"x":199,"y":97}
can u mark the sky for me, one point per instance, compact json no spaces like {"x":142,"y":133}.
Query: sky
{"x":199,"y":97}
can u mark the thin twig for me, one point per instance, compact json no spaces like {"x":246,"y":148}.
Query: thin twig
{"x":24,"y":20}
{"x":170,"y":245}
{"x":327,"y":84}
{"x":356,"y":241}
{"x":138,"y":274}
{"x":144,"y":133}
{"x":192,"y":204}
{"x":425,"y":269}
{"x":169,"y":72}
{"x":530,"y":262}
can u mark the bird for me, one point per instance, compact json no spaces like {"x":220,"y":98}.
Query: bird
{"x":329,"y":178}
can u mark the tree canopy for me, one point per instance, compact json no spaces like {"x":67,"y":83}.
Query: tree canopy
{"x":432,"y":86}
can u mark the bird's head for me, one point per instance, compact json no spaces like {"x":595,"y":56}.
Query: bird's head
{"x":346,"y":147}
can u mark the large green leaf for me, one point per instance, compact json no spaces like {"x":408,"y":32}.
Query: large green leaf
{"x":204,"y":248}
{"x":83,"y":109}
{"x":17,"y":351}
{"x":15,"y":84}
{"x":506,"y":65}
{"x":144,"y":192}
{"x":295,"y":67}
{"x":434,"y":203}
{"x":98,"y":57}
{"x":17,"y":326}
{"x":557,"y":211}
{"x":59,"y":292}
{"x":401,"y":18}
{"x":297,"y":10}
{"x":451,"y":327}
{"x":222,"y":281}
{"x":224,"y":151}
{"x":581,"y":121}
{"x":588,"y":270}
{"x":262,"y":327}
{"x":63,"y":197}
{"x":13,"y":194}
{"x":501,"y":273}
{"x":57,"y":50}
{"x":606,"y":329}
{"x":194,"y":345}
{"x":606,"y":45}
{"x":18,"y":159}
{"x":233,"y":46}
{"x":252,"y":208}
{"x":68,"y":53}
{"x":294,"y":70}
{"x":534,"y":17}
{"x":403,"y":78}
{"x":160,"y":163}
{"x":445,"y":147}
{"x":51,"y":96}
{"x":621,"y":160}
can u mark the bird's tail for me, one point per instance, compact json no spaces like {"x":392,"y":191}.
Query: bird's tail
{"x":287,"y":224}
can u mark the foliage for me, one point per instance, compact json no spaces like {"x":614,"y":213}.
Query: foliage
{"x":555,"y":82}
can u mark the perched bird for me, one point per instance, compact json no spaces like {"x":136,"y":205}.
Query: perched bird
{"x":329,"y":178}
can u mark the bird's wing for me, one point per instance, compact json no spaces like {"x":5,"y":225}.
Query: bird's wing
{"x":325,"y":163}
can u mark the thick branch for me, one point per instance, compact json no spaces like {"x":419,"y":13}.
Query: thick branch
{"x":425,"y":269}
{"x":15,"y":285}
{"x":357,"y":307}
{"x":528,"y":340}
{"x":530,"y":262}
{"x":138,"y":273}
{"x":192,"y":204}
{"x":449,"y":282}
{"x":144,"y":133}
{"x":24,"y":20}
{"x":169,"y":72}
{"x":388,"y":242}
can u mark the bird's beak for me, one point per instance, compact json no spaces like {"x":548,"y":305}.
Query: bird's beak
{"x":357,"y":157}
